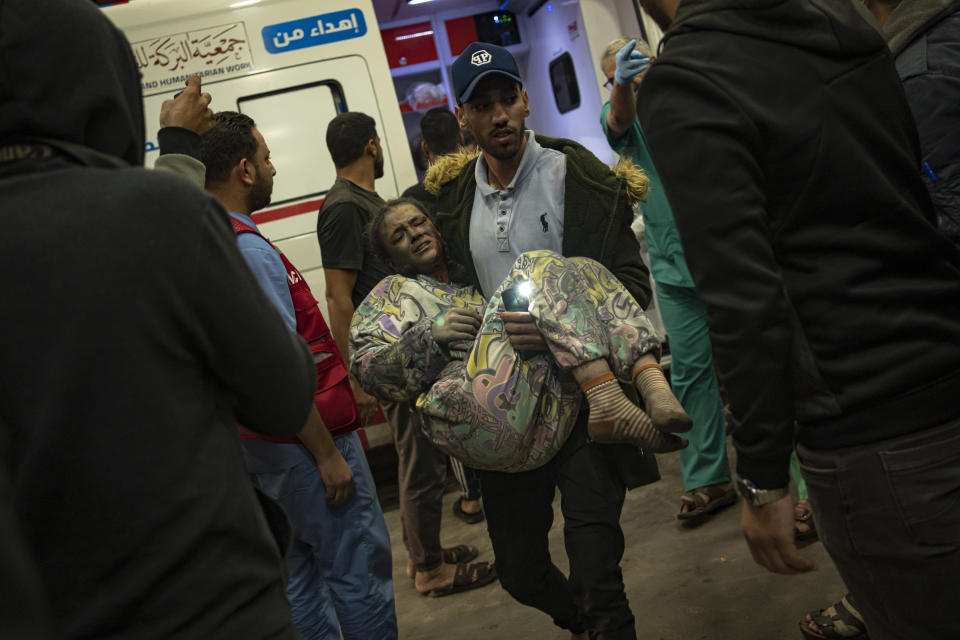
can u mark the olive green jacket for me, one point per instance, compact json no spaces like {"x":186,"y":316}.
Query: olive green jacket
{"x":596,"y":219}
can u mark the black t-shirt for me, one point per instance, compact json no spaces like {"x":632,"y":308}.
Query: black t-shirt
{"x":342,"y":232}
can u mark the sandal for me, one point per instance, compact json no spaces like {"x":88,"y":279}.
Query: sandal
{"x":467,"y":577}
{"x":469,"y":518}
{"x":697,"y":505}
{"x":804,"y":528}
{"x":450,"y":555}
{"x":838,"y":621}
{"x":459,"y":554}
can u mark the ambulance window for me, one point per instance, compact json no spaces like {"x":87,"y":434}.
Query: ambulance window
{"x":293,"y":121}
{"x":563,"y":79}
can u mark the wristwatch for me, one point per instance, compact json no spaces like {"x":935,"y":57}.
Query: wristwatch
{"x":758,"y":497}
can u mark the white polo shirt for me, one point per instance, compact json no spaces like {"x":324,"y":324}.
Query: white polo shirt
{"x":526,"y":216}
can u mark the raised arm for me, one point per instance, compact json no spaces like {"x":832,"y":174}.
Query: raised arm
{"x":623,"y":101}
{"x":182,"y":121}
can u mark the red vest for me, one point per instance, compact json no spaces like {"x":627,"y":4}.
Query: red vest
{"x":334,"y":397}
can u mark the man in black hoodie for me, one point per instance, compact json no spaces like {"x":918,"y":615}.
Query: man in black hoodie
{"x":789,"y":157}
{"x":134,"y":337}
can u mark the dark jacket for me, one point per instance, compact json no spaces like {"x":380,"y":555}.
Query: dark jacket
{"x":789,"y":157}
{"x":133,"y":338}
{"x":596,"y":217}
{"x":924,"y":36}
{"x":597,"y":212}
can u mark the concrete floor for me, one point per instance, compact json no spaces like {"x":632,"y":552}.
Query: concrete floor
{"x":697,"y":584}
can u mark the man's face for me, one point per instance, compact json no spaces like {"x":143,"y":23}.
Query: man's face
{"x":412,"y":242}
{"x":262,"y":189}
{"x":378,"y":159}
{"x":495,"y":115}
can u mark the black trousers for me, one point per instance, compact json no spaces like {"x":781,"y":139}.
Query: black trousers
{"x":889,"y":515}
{"x":519,"y":510}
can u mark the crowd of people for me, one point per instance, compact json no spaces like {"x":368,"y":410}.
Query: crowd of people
{"x":179,"y":453}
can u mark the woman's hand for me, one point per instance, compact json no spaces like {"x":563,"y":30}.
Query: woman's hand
{"x":461,"y":323}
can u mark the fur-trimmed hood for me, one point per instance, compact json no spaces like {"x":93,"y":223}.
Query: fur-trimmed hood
{"x":597,"y":212}
{"x":448,"y":167}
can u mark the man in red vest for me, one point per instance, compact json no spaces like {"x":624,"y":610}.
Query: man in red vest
{"x":340,"y":564}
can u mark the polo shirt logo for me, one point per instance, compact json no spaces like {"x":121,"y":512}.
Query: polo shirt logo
{"x":480,"y":58}
{"x":543,"y":223}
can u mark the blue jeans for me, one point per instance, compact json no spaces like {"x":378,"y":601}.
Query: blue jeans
{"x":340,"y":565}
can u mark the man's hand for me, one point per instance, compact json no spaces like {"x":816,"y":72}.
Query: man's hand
{"x":769,"y":533}
{"x":366,"y":403}
{"x":523,"y":332}
{"x":189,"y":110}
{"x":459,"y":323}
{"x":629,"y":64}
{"x":337,"y":477}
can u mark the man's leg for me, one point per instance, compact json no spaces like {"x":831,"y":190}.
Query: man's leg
{"x":421,"y":474}
{"x":312,"y":607}
{"x":694,"y":382}
{"x":467,"y":507}
{"x":351,"y":546}
{"x":519,"y":510}
{"x":281,"y":471}
{"x":888,"y":515}
{"x":592,"y":496}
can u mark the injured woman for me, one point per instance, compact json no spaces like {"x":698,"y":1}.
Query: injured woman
{"x":420,"y":339}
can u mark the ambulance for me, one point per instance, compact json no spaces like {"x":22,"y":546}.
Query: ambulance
{"x":293,"y":65}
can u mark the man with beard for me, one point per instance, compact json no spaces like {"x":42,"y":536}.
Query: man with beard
{"x":527,"y":192}
{"x":340,"y":562}
{"x":125,"y":360}
{"x":790,"y":158}
{"x":351,"y":270}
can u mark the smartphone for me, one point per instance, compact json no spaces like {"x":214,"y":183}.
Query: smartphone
{"x":517,"y":298}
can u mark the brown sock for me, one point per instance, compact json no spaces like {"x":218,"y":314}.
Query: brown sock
{"x":613,"y":418}
{"x":662,"y":406}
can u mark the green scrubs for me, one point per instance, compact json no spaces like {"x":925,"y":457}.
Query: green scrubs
{"x":692,"y":376}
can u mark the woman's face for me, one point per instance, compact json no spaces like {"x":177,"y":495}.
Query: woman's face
{"x":412,"y":242}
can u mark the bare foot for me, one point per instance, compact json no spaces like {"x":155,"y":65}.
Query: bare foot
{"x":470,"y":506}
{"x":442,"y":576}
{"x":411,"y":570}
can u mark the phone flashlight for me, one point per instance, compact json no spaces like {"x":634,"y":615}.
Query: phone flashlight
{"x":517,"y":298}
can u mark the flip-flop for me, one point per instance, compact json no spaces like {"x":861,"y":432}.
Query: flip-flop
{"x":466,"y":578}
{"x":704,"y":501}
{"x":469,"y":518}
